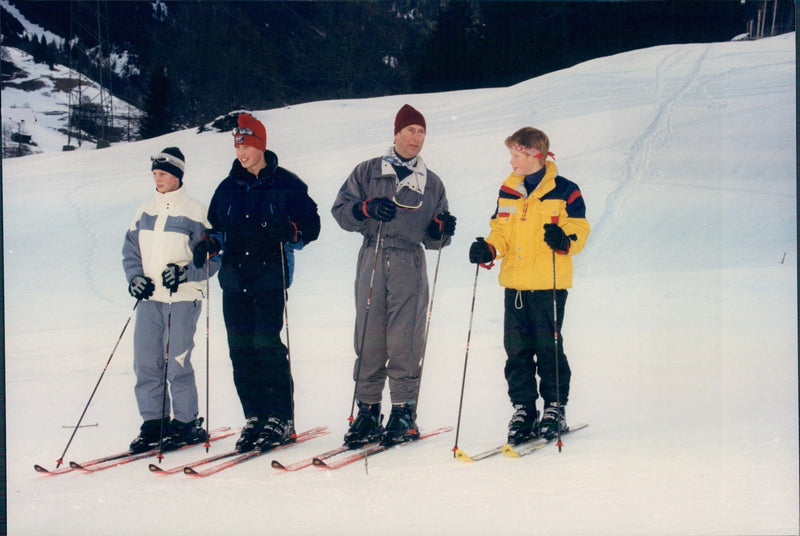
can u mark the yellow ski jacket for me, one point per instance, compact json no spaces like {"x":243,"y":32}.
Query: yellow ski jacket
{"x":517,"y":230}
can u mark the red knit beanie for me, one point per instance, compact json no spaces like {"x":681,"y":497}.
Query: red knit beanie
{"x":408,"y":116}
{"x":242,"y":135}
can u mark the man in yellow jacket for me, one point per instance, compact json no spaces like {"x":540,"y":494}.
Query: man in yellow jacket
{"x":538,"y":226}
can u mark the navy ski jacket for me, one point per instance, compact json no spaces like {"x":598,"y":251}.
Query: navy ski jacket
{"x":241,"y":210}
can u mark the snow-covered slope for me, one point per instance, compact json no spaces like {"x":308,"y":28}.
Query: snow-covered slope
{"x":36,"y":101}
{"x":681,"y":328}
{"x":30,"y":29}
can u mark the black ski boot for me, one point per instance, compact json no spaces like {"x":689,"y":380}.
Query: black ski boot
{"x":184,"y":433}
{"x":275,"y":432}
{"x":149,"y":436}
{"x":554,"y":420}
{"x":401,"y":427}
{"x":249,"y":435}
{"x":367,"y":426}
{"x":523,"y":424}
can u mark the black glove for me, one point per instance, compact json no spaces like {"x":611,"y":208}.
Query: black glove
{"x":481,"y":252}
{"x":172,"y":277}
{"x":379,"y":208}
{"x":141,"y":287}
{"x":282,"y":231}
{"x":207,"y":247}
{"x":556,"y":238}
{"x":444,"y":223}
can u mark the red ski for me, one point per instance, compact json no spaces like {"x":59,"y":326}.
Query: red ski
{"x":179,"y":468}
{"x":241,"y":458}
{"x":111,"y":457}
{"x":216,"y":435}
{"x":369,"y":450}
{"x":67,"y":468}
{"x":310,"y":461}
{"x":203,"y":461}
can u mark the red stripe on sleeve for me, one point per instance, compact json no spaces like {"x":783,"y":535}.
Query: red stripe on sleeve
{"x":575,"y":195}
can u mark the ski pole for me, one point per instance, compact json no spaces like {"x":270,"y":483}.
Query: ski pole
{"x":286,"y":321}
{"x":286,"y":307}
{"x":164,"y":396}
{"x":113,"y":351}
{"x":559,"y":443}
{"x":208,"y":351}
{"x":466,"y":358}
{"x":428,"y":322}
{"x":360,"y":357}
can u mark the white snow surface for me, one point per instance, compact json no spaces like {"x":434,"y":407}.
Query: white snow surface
{"x":681,"y":329}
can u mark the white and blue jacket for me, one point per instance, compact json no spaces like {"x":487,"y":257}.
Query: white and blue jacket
{"x":165,"y":230}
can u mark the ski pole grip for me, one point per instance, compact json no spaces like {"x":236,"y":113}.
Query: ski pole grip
{"x":553,"y":219}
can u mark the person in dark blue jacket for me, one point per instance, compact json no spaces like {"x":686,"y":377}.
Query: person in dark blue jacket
{"x":260,"y":214}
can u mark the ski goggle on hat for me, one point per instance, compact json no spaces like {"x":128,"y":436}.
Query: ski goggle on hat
{"x":165,"y":158}
{"x":243,"y":131}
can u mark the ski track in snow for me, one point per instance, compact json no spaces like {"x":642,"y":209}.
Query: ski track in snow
{"x":72,"y":199}
{"x":638,"y":164}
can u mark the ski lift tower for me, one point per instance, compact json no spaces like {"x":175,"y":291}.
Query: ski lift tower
{"x":88,"y":45}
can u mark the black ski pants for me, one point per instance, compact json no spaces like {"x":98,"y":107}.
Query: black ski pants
{"x":530,"y":346}
{"x":261,"y":370}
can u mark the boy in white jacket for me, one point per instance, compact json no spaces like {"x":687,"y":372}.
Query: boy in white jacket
{"x":157,"y":259}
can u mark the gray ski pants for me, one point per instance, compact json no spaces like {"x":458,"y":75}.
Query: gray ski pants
{"x":395,"y":324}
{"x":149,"y":347}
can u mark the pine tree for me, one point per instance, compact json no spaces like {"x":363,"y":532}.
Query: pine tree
{"x":450,"y":57}
{"x":156,"y":119}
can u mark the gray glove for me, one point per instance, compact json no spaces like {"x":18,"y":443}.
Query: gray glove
{"x":172,"y":277}
{"x":141,"y":287}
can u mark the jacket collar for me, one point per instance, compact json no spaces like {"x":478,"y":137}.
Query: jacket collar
{"x":241,"y":174}
{"x":419,"y":172}
{"x":515,"y":184}
{"x":170,"y":200}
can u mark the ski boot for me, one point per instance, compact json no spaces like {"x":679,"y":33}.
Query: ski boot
{"x":367,"y":426}
{"x":149,"y":436}
{"x":522,"y":426}
{"x":401,"y":426}
{"x":184,"y":433}
{"x":554,"y":420}
{"x":250,"y":432}
{"x":275,"y":432}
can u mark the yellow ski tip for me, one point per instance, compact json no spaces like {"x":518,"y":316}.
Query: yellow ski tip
{"x":508,"y":450}
{"x":463,"y":456}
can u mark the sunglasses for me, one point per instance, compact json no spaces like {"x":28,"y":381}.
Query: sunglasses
{"x":407,"y":207}
{"x":164,"y":158}
{"x":407,"y":199}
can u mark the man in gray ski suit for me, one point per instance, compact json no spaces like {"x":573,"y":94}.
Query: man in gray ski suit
{"x":399,"y":206}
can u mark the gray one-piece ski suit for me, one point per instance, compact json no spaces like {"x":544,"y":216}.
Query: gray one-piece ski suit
{"x":398,"y":305}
